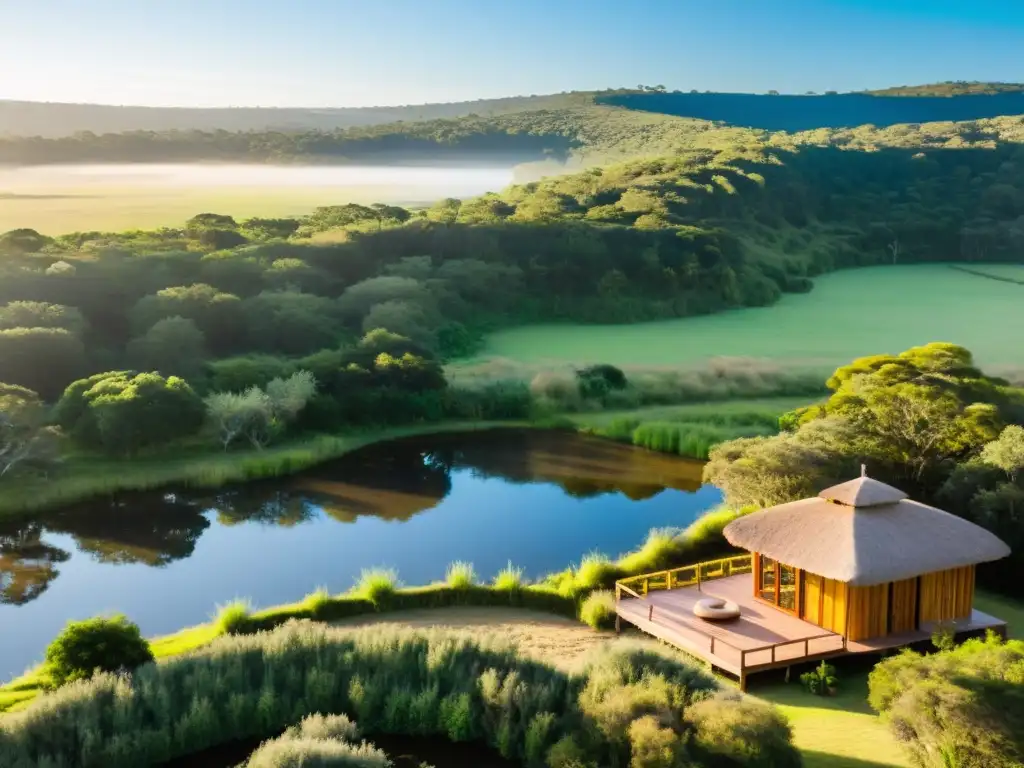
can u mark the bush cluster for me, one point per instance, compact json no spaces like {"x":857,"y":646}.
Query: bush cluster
{"x":957,"y":707}
{"x":104,"y":644}
{"x":627,"y":704}
{"x":318,"y":741}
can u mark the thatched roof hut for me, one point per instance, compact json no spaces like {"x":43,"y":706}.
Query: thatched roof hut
{"x":864,"y":532}
{"x":863,"y":560}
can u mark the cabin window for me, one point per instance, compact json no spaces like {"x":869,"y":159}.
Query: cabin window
{"x":787,"y":587}
{"x":766,"y":582}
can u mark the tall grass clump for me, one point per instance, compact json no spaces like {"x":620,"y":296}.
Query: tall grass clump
{"x":401,"y":681}
{"x":598,"y":609}
{"x":659,"y":550}
{"x":595,"y":570}
{"x":509,"y":578}
{"x":233,"y":618}
{"x":318,"y":742}
{"x":317,"y":602}
{"x":377,"y":585}
{"x":460,"y":575}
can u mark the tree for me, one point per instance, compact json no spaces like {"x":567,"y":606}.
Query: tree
{"x":217,"y":314}
{"x":291,"y":322}
{"x":259,"y":415}
{"x":404,"y":318}
{"x":173,"y":345}
{"x":26,"y":442}
{"x":357,"y":299}
{"x":266,"y":229}
{"x":122,"y":413}
{"x":392,"y":213}
{"x":38,"y":314}
{"x":44,"y":360}
{"x":18,"y":242}
{"x":445,"y":211}
{"x":1007,"y":451}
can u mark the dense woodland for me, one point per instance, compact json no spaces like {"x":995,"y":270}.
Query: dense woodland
{"x":583,"y":128}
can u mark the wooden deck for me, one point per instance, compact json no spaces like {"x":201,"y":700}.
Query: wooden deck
{"x":762,"y":638}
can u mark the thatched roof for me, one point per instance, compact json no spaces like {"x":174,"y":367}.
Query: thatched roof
{"x":864,"y":532}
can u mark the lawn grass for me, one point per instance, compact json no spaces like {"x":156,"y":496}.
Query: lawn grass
{"x":838,"y":731}
{"x":1009,"y":610}
{"x":854,"y":312}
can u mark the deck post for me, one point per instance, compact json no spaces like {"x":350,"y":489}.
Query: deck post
{"x":807,"y":646}
{"x":712,"y":645}
{"x":698,"y":578}
{"x":650,"y":613}
{"x":618,"y":624}
{"x":743,"y":679}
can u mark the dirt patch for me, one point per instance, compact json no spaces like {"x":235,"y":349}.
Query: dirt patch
{"x":556,"y":640}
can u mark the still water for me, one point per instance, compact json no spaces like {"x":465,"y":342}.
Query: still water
{"x":538,"y":499}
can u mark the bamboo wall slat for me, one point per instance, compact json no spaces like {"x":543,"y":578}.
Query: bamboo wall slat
{"x":947,"y":595}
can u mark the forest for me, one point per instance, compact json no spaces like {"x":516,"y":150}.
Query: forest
{"x":585,"y":128}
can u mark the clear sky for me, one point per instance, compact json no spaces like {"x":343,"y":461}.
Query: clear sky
{"x":384,"y":52}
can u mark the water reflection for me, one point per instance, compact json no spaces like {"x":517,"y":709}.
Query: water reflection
{"x":27,"y":564}
{"x":539,"y":499}
{"x":392,"y":481}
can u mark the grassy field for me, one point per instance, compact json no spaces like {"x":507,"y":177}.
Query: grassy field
{"x":848,"y":314}
{"x":59,"y":199}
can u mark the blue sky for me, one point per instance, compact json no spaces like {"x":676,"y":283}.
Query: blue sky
{"x":377,"y":52}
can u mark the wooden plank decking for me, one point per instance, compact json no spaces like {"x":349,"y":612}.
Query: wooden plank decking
{"x":763,"y":637}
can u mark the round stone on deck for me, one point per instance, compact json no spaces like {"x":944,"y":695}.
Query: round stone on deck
{"x":716,"y":609}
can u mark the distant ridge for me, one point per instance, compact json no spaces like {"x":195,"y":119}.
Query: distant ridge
{"x":56,"y":119}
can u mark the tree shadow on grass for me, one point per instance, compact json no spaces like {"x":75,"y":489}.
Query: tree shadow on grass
{"x":813,"y":759}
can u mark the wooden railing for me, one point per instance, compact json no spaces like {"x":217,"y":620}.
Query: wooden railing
{"x":637,"y":587}
{"x":687,"y":576}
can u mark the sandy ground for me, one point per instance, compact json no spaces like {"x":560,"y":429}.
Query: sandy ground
{"x":557,"y":640}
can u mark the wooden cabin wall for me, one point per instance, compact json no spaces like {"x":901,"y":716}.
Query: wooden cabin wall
{"x":869,"y":612}
{"x":824,"y":602}
{"x":947,"y":595}
{"x":904,"y":606}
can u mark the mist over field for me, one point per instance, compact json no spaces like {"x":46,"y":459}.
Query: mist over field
{"x":62,"y":198}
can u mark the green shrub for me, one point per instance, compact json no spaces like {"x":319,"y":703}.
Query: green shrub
{"x":377,"y":585}
{"x":598,"y":609}
{"x":821,"y":681}
{"x":319,"y":726}
{"x":735,"y":731}
{"x":450,"y":684}
{"x":460,"y":575}
{"x":106,"y":644}
{"x":509,"y":578}
{"x":595,"y":570}
{"x":317,"y":602}
{"x":957,"y":707}
{"x":233,"y":618}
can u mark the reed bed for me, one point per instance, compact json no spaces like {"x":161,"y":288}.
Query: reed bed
{"x":390,"y":680}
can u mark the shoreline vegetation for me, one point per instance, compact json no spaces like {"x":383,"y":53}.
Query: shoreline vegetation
{"x":688,"y":430}
{"x":579,"y":592}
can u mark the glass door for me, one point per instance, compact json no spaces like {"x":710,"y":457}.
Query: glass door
{"x":787,"y":578}
{"x":778,"y":584}
{"x":766,"y":582}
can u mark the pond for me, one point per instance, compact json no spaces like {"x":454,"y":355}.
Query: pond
{"x":539,"y":499}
